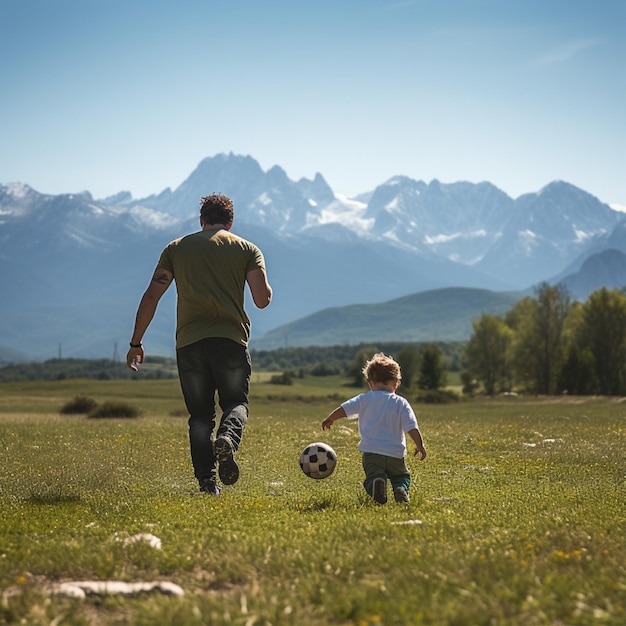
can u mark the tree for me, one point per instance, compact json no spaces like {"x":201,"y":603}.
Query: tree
{"x":578,"y":375}
{"x":409,"y":360}
{"x":355,"y":368}
{"x":432,"y":374}
{"x":603,"y":336}
{"x":538,"y":347}
{"x":487,"y":352}
{"x":521,"y":319}
{"x":553,"y":306}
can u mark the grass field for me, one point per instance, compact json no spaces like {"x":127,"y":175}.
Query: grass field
{"x":517,"y":515}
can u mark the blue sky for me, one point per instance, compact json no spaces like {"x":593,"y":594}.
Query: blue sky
{"x":111,"y":95}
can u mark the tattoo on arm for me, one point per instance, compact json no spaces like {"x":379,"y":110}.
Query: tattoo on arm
{"x":161,"y":277}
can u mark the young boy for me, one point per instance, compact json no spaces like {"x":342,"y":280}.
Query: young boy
{"x":384,"y":418}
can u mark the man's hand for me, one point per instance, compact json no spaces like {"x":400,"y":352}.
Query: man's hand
{"x":134,"y":357}
{"x":161,"y":280}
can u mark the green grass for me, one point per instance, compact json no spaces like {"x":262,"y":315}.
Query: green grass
{"x":517,"y":515}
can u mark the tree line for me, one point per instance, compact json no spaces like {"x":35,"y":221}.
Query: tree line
{"x":291,"y":362}
{"x":550,"y":344}
{"x":546,"y":344}
{"x":339,"y":359}
{"x":96,"y":369}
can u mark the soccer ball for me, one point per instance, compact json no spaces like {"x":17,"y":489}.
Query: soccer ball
{"x":318,"y":460}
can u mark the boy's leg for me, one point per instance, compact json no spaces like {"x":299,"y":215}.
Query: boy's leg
{"x":375,"y":483}
{"x":400,"y":478}
{"x":401,"y":493}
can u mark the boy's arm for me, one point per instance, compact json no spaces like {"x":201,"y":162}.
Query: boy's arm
{"x":338,"y":413}
{"x":419,"y":444}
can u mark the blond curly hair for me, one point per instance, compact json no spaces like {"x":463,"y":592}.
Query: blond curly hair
{"x":382,"y":369}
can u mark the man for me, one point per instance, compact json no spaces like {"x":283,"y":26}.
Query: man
{"x":211,"y":268}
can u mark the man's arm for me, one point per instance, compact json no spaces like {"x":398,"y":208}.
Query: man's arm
{"x":259,"y":287}
{"x":159,"y":284}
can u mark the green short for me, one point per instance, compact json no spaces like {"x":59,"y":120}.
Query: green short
{"x":387,"y":467}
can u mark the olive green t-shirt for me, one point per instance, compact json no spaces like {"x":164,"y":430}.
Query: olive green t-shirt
{"x":210,"y":269}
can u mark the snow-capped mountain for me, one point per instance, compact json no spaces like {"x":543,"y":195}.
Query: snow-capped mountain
{"x":516,"y":241}
{"x":459,"y":221}
{"x":74,"y":267}
{"x":549,"y":230}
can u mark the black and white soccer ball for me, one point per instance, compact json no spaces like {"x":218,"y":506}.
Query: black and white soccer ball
{"x":318,"y":460}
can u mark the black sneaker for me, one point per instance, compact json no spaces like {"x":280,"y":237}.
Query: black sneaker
{"x":379,"y":490}
{"x":208,"y":485}
{"x":227,"y":468}
{"x":400,"y":495}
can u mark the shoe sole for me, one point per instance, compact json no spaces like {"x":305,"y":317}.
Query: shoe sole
{"x":400,"y":495}
{"x":379,"y":491}
{"x":228,"y":469}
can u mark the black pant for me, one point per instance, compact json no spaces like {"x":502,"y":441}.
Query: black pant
{"x":214,"y":365}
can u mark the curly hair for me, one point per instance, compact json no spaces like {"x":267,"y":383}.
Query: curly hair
{"x":216,"y":209}
{"x":382,"y":368}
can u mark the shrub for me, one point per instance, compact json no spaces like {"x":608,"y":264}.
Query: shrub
{"x":324,"y":369}
{"x":282,"y":379}
{"x":80,"y":405}
{"x":469,"y":384}
{"x":437,"y":396}
{"x":115,"y":409}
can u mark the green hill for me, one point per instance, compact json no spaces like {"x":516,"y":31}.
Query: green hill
{"x":437,"y":315}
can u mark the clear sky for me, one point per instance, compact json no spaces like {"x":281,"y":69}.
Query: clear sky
{"x":112,"y":95}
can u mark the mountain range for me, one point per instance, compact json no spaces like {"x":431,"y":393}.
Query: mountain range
{"x":73,"y":267}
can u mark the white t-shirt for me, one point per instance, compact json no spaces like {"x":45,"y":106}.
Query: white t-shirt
{"x":383,"y":417}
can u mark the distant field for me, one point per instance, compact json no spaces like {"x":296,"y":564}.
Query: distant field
{"x":517,"y":516}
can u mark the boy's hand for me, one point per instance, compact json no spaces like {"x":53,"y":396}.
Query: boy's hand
{"x":338,"y":413}
{"x":421,"y":451}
